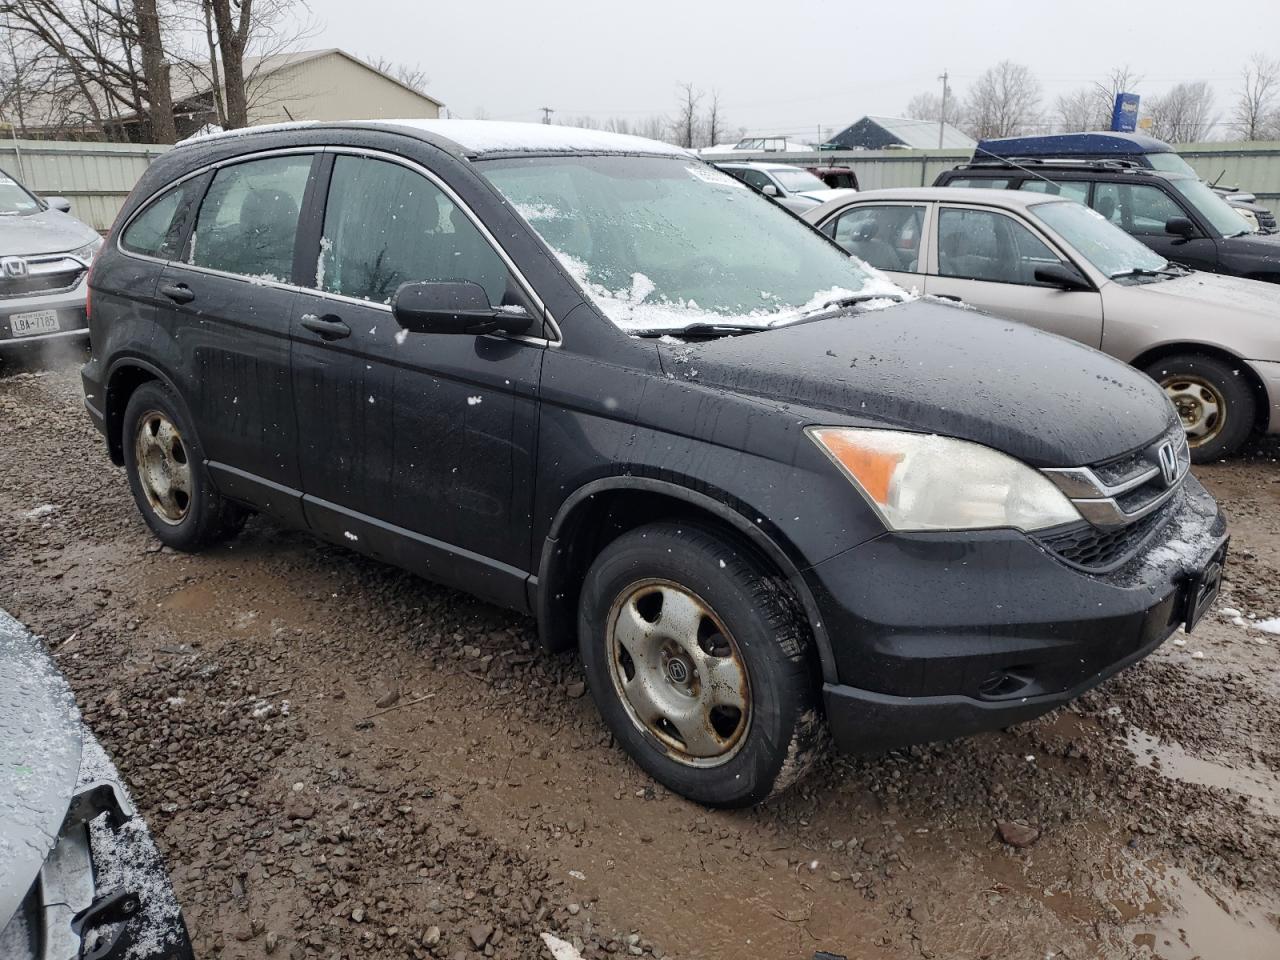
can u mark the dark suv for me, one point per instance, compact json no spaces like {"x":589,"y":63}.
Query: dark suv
{"x":1177,"y":215}
{"x":592,"y":378}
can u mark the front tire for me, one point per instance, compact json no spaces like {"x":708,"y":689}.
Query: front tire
{"x":165,"y":465}
{"x":1214,"y":400}
{"x":699,"y":661}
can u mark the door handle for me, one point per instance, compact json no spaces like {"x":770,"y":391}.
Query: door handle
{"x":178,"y":292}
{"x":329,"y":327}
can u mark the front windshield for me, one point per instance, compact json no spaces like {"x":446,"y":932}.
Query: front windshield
{"x":1100,"y":242}
{"x":1169,"y":163}
{"x":664,"y":243}
{"x":14,"y":200}
{"x":797,"y":180}
{"x":1212,"y":207}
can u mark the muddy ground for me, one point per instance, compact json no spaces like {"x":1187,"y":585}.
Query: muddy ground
{"x":340,"y":760}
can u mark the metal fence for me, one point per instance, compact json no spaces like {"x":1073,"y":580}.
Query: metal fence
{"x":95,"y":177}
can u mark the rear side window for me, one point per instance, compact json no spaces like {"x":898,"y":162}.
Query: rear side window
{"x":886,"y":237}
{"x":157,"y":231}
{"x":970,"y":183}
{"x":385,"y":225}
{"x":248,"y":222}
{"x":1072,"y":190}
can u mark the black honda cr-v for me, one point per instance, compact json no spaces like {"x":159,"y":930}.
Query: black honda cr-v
{"x":593,"y":378}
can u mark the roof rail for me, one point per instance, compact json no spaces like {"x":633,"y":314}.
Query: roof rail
{"x":1069,"y":163}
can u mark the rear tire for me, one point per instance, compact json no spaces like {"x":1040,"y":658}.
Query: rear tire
{"x":1214,"y":399}
{"x":165,"y":465}
{"x":699,"y":661}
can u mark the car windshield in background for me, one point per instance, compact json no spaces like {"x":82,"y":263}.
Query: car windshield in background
{"x":666,"y":244}
{"x":1169,"y":163}
{"x":14,"y":200}
{"x":1212,"y":207}
{"x":1103,"y":244}
{"x":797,"y":180}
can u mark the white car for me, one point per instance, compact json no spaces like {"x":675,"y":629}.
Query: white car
{"x":1211,"y":341}
{"x":794,"y":187}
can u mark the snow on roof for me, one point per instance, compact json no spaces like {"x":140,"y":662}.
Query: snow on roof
{"x":498,"y":136}
{"x":486,"y":136}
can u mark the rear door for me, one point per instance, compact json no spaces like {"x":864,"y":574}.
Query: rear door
{"x":888,"y":236}
{"x":229,"y":301}
{"x":418,"y":448}
{"x":987,"y":259}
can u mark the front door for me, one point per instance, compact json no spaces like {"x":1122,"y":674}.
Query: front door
{"x":418,"y":448}
{"x":987,"y":259}
{"x":1143,"y":210}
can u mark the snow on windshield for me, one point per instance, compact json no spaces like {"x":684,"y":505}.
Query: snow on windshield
{"x":659,"y":244}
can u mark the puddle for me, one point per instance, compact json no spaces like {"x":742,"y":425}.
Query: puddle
{"x":192,"y":599}
{"x":1173,"y":762}
{"x":1197,"y":926}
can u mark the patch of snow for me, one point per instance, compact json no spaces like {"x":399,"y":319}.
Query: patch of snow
{"x":349,"y":535}
{"x":560,"y":949}
{"x":1269,"y":626}
{"x":41,"y":511}
{"x":496,"y":136}
{"x":401,"y":337}
{"x":325,"y":246}
{"x":474,"y":401}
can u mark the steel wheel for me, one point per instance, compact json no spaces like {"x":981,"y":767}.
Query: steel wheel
{"x":163,"y":468}
{"x":679,"y":672}
{"x":1200,"y":404}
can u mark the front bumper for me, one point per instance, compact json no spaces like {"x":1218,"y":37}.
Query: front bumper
{"x":68,"y":305}
{"x":937,"y":636}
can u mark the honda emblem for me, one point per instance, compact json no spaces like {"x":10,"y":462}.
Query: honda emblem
{"x":1169,"y":463}
{"x":13,"y":267}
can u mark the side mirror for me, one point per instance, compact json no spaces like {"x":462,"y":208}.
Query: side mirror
{"x":59,"y":203}
{"x":1062,"y":276}
{"x":1180,"y":227}
{"x":769,"y":190}
{"x":454,"y":306}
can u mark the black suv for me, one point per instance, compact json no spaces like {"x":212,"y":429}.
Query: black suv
{"x":590,"y":377}
{"x":1177,"y":215}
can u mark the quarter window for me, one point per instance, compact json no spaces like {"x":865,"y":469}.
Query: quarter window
{"x":1071,"y":190}
{"x":157,"y":231}
{"x":978,"y":183}
{"x":981,"y":245}
{"x":886,"y":237}
{"x":248,"y":222}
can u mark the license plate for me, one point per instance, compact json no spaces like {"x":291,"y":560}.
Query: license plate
{"x":30,"y":324}
{"x":1203,"y":589}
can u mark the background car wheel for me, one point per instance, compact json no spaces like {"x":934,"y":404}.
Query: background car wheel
{"x":699,"y":661}
{"x":1214,"y":400}
{"x":165,"y":466}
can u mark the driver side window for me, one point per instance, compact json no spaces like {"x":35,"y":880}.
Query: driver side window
{"x":984,"y":245}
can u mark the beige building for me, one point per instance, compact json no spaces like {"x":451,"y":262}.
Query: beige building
{"x":307,"y":85}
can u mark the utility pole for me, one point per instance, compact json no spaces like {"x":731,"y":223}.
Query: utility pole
{"x":546,"y":114}
{"x":942,"y":120}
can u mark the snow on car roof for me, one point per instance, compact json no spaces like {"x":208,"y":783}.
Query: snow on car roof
{"x":489,"y":136}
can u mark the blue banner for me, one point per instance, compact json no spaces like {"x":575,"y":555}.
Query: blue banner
{"x":1124,"y":118}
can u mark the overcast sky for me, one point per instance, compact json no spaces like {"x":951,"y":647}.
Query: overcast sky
{"x":784,"y":66}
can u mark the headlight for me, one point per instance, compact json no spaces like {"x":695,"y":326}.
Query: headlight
{"x":924,"y":482}
{"x":90,"y":250}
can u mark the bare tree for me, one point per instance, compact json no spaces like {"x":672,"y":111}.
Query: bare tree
{"x":1257,"y":109}
{"x":1184,"y":114}
{"x":155,"y":70}
{"x":1090,"y":108}
{"x":928,"y":106}
{"x":1004,"y":102}
{"x":655,"y":127}
{"x":714,"y":124}
{"x":685,"y":125}
{"x":411,"y":75}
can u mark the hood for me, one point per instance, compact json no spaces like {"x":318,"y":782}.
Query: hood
{"x":50,"y":231}
{"x":830,"y":193}
{"x":1264,"y":248}
{"x":926,"y":367}
{"x":40,"y":744}
{"x":1228,"y":295}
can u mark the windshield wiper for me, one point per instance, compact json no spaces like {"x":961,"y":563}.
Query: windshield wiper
{"x":1171,"y":270}
{"x":841,"y":303}
{"x":704,"y":330}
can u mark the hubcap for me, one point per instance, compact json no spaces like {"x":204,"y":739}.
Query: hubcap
{"x":1200,"y":405}
{"x":678,"y":672}
{"x":163,"y":469}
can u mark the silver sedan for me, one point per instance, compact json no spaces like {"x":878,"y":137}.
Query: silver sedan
{"x":1212,"y":342}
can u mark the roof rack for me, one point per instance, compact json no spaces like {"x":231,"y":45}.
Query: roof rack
{"x":1070,"y":163}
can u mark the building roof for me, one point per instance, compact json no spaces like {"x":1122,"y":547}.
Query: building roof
{"x":257,"y":69}
{"x":923,"y":134}
{"x":479,"y":137}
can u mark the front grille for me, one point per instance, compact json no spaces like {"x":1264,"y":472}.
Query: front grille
{"x":53,"y":282}
{"x":1099,"y":551}
{"x":1266,"y":221}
